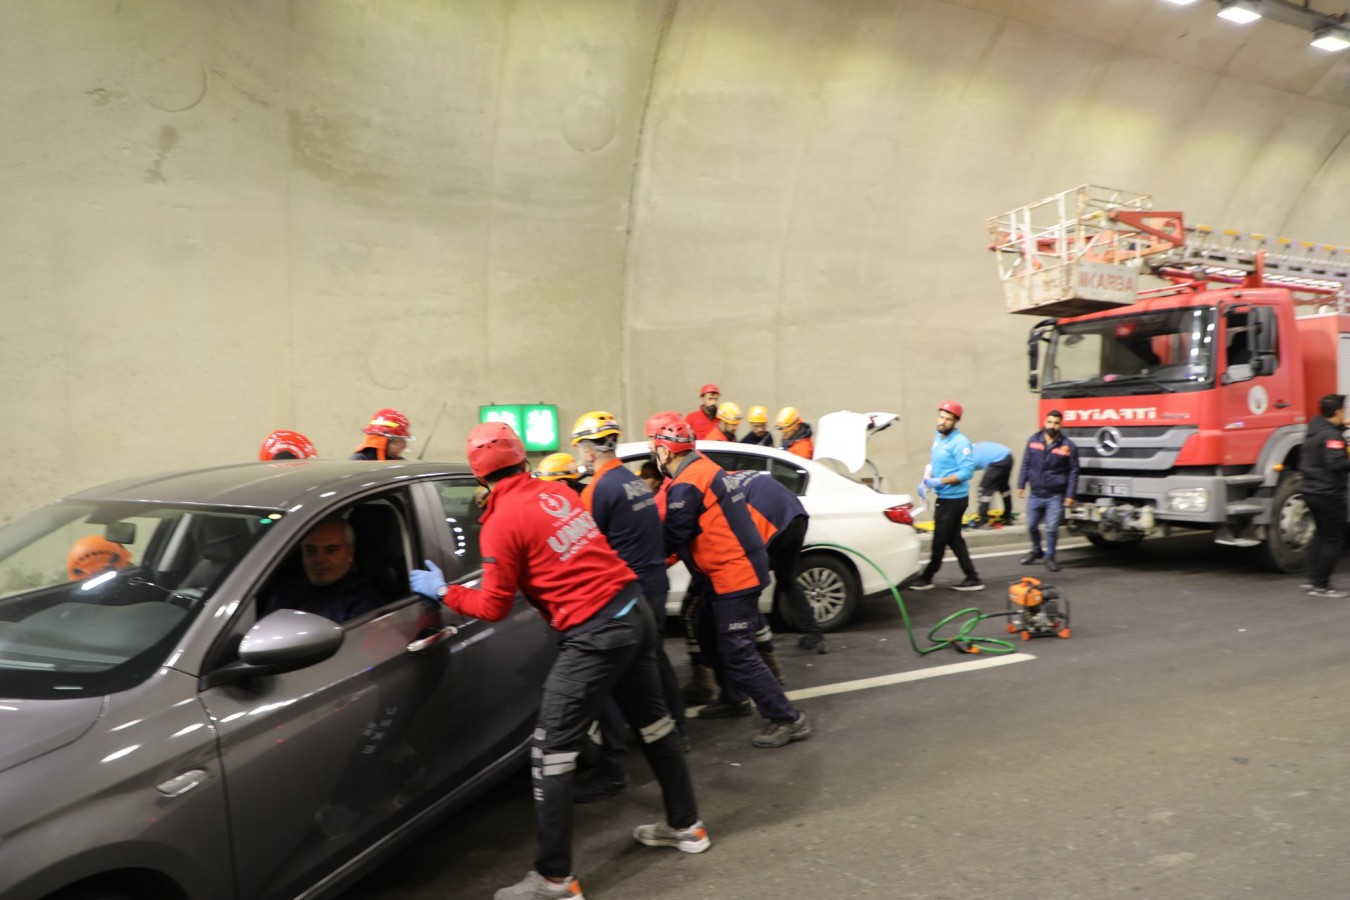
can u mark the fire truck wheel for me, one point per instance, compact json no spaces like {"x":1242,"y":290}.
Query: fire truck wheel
{"x":1290,"y":531}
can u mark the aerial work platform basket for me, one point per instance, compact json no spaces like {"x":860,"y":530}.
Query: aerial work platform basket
{"x":1084,"y":250}
{"x":1080,"y":250}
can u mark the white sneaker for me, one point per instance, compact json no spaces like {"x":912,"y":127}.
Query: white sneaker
{"x":693,"y":839}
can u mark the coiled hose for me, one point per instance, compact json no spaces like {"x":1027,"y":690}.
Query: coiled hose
{"x":962,"y":641}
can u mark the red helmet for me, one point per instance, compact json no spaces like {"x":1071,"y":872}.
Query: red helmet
{"x":662,"y":418}
{"x":677,"y":437}
{"x":952,"y":407}
{"x":493,"y":446}
{"x":93,"y":555}
{"x":389,"y":423}
{"x":709,"y":388}
{"x":292,"y":443}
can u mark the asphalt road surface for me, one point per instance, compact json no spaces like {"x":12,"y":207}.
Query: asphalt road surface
{"x":1190,"y":740}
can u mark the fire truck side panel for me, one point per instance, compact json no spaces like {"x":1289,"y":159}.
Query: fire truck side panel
{"x":1324,"y":357}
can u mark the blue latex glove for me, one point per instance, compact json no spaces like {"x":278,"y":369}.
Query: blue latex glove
{"x":428,"y":583}
{"x":920,"y":489}
{"x":932,"y":483}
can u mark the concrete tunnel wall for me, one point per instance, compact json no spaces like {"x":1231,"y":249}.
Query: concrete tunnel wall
{"x":227,"y":216}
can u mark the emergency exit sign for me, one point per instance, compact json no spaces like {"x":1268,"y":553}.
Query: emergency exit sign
{"x":536,"y":423}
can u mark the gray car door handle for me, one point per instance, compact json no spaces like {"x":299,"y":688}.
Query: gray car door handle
{"x":433,"y":639}
{"x":181,"y":784}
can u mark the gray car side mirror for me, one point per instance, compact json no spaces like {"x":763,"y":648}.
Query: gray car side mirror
{"x":282,"y":641}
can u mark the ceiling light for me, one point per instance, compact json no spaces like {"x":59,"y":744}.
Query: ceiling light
{"x":1240,"y":11}
{"x":1182,"y":2}
{"x":1331,"y":38}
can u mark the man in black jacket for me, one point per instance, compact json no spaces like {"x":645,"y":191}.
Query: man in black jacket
{"x":1050,"y":469}
{"x":1324,"y":464}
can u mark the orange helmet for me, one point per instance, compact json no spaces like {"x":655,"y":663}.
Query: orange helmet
{"x":287,"y":445}
{"x":730,"y":413}
{"x":557,"y":467}
{"x":492,"y":446}
{"x":93,"y":555}
{"x":758,"y":415}
{"x":677,"y":437}
{"x":662,"y":418}
{"x":390,"y":423}
{"x":787,"y":417}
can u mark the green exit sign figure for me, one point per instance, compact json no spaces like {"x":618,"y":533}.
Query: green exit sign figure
{"x":536,"y":423}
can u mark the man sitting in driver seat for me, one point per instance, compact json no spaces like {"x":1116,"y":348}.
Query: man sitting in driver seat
{"x":331,"y":586}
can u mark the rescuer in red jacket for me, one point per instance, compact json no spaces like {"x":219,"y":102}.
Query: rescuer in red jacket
{"x":708,"y":523}
{"x":537,"y":539}
{"x":704,"y":419}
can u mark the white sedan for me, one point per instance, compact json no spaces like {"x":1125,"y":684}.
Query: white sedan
{"x":843,"y":512}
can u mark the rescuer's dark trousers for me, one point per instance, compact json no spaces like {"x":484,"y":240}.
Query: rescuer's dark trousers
{"x":784,"y":551}
{"x":947,"y":533}
{"x":1328,"y":513}
{"x":727,"y":624}
{"x":613,"y":763}
{"x":995,"y":480}
{"x":616,"y":659}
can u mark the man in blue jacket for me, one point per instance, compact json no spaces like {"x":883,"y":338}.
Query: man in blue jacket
{"x":1050,"y":467}
{"x":996,"y":462}
{"x":953,"y":465}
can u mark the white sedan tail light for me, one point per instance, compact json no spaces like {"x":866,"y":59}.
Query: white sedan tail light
{"x":901,"y":514}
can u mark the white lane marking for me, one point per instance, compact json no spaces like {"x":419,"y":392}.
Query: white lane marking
{"x":1022,"y":551}
{"x":863,"y":684}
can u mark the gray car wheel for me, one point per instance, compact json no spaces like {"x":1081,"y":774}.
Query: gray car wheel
{"x":831,"y":589}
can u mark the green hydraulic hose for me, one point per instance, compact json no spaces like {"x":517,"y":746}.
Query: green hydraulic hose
{"x":962,"y":641}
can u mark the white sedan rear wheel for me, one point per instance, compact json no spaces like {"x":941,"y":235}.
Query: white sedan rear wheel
{"x":831,"y":589}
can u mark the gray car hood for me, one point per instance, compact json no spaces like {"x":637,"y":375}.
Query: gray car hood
{"x":30,"y":728}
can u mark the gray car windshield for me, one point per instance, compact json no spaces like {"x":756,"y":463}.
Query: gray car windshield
{"x":1149,"y":353}
{"x":93,"y":596}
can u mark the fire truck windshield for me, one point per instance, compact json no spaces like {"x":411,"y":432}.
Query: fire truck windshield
{"x":1155,"y":352}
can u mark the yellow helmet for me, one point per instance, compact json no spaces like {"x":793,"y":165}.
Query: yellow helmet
{"x":557,"y":467}
{"x":758,"y":415}
{"x":787,"y":417}
{"x":730,"y":413}
{"x":595,"y":425}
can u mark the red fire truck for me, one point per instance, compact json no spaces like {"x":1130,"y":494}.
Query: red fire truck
{"x":1187,"y":362}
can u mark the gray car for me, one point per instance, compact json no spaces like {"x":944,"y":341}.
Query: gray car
{"x":164,"y":735}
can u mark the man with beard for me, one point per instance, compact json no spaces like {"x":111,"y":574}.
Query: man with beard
{"x":704,"y":419}
{"x":1050,"y":467}
{"x":953,"y":465}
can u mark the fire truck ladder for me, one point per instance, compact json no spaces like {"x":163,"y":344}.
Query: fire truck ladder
{"x":1316,"y":273}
